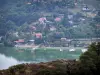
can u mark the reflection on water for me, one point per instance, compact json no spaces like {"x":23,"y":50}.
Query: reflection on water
{"x":12,"y":56}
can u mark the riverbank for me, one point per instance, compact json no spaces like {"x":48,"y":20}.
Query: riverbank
{"x":46,"y":47}
{"x":33,"y":47}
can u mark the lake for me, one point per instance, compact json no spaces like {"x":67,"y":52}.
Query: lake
{"x":13,"y":56}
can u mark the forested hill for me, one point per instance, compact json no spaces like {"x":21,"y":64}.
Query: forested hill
{"x":52,"y":18}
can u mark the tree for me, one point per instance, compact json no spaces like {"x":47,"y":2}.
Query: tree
{"x":38,"y":41}
{"x":3,"y":28}
{"x":11,"y":25}
{"x":90,"y":60}
{"x":2,"y":3}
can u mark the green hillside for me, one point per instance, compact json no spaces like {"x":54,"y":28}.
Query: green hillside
{"x":54,"y":19}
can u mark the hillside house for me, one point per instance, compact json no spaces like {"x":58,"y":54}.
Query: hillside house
{"x":33,"y":27}
{"x":57,"y":19}
{"x":38,"y":35}
{"x":19,"y":41}
{"x":42,"y":20}
{"x":52,"y":28}
{"x":70,"y":16}
{"x":31,"y":42}
{"x":65,"y":42}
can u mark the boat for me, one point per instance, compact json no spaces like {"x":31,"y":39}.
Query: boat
{"x":71,"y":50}
{"x":61,"y":49}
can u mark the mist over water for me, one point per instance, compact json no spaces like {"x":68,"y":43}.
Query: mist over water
{"x":5,"y":61}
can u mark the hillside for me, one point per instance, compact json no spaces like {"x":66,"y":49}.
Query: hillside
{"x":52,"y":19}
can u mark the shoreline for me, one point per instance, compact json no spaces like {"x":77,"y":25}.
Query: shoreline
{"x":33,"y":47}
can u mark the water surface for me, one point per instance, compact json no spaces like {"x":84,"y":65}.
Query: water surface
{"x":12,"y":56}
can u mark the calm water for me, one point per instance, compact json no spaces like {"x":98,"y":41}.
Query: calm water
{"x":13,"y":56}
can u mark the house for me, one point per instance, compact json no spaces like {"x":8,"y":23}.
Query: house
{"x":19,"y":41}
{"x":52,"y":28}
{"x":42,"y":20}
{"x":82,"y":19}
{"x":85,"y":8}
{"x":28,"y":3}
{"x":57,"y":19}
{"x":33,"y":27}
{"x":61,"y":16}
{"x":38,"y":35}
{"x":30,"y":42}
{"x":16,"y":34}
{"x":74,"y":26}
{"x":98,"y":25}
{"x":70,"y":16}
{"x":71,"y":22}
{"x":65,"y":42}
{"x":63,"y":39}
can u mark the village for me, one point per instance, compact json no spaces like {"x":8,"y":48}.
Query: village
{"x":70,"y":28}
{"x":84,"y":43}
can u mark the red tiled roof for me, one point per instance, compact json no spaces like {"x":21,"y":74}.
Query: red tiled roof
{"x":42,"y":19}
{"x":33,"y":27}
{"x":38,"y":35}
{"x":20,"y":40}
{"x":57,"y":19}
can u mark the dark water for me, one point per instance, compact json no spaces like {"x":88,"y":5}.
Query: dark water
{"x":13,"y":56}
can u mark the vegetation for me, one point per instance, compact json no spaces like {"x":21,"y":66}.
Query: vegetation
{"x":23,"y":16}
{"x":88,"y":64}
{"x":54,"y":19}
